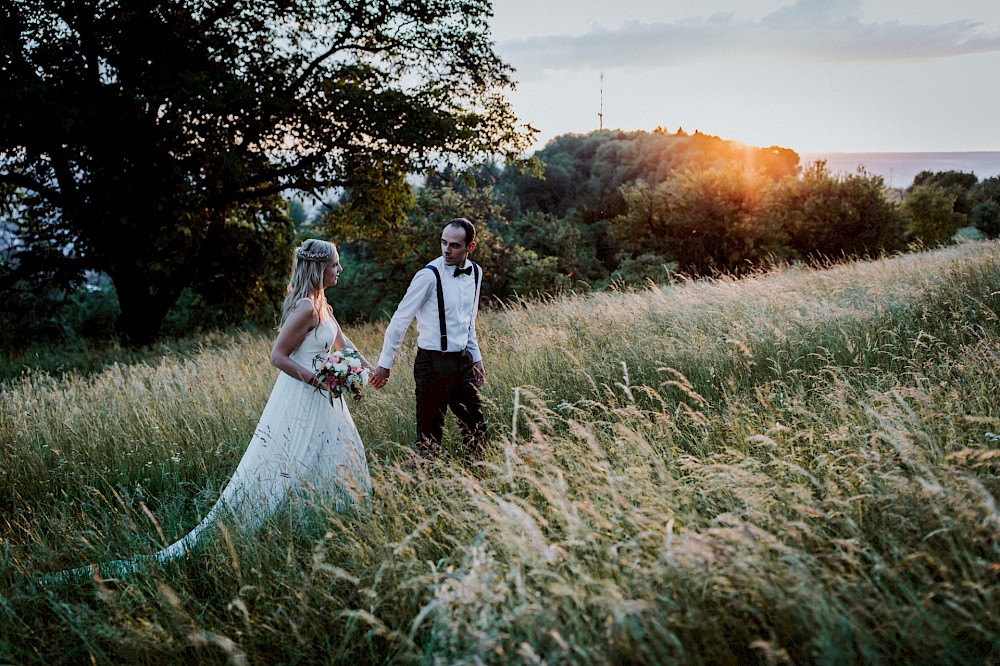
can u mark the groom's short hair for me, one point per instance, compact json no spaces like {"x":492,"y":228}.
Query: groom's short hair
{"x":468,"y":227}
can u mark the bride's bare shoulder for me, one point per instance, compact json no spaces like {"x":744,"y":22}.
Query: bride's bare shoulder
{"x":303,"y":313}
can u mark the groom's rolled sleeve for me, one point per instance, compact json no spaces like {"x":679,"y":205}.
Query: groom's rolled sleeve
{"x":473,"y":345}
{"x":416,"y":295}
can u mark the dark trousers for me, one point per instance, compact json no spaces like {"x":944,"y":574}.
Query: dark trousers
{"x":443,"y":380}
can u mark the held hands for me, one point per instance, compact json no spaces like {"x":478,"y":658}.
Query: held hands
{"x":380,"y":377}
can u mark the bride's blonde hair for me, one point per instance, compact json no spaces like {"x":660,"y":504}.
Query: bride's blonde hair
{"x":308,"y":265}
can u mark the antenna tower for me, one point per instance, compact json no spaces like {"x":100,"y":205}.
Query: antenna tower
{"x":600,"y":113}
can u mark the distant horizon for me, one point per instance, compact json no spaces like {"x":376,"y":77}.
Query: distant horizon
{"x":899,"y":168}
{"x":898,"y":152}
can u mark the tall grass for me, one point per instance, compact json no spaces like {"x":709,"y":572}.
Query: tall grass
{"x":799,"y":466}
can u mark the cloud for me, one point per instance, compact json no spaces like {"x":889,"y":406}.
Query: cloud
{"x":816,"y":30}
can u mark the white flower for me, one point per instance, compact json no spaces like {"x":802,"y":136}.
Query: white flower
{"x":340,"y":367}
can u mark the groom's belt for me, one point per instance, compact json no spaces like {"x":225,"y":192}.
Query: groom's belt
{"x":445,"y":354}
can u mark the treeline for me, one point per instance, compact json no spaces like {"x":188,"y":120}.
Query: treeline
{"x":591,"y":211}
{"x":625,"y":208}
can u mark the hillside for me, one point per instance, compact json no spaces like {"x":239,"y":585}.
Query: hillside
{"x":798,"y":466}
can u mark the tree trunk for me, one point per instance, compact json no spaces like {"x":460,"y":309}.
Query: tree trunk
{"x":144,"y":301}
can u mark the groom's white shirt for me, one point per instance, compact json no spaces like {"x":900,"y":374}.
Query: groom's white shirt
{"x":420,"y":301}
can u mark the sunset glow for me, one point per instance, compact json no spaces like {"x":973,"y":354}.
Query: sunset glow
{"x":811,"y":75}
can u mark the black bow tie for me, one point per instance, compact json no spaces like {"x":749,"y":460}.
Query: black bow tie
{"x":463,"y":271}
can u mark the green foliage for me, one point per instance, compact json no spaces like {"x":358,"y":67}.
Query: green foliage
{"x":534,"y":276}
{"x":297,"y":214}
{"x":585,"y":179}
{"x":388,"y":258}
{"x":930,"y":211}
{"x":958,"y":183}
{"x":985,"y":199}
{"x":29,"y":314}
{"x":243,"y":280}
{"x":987,"y":189}
{"x":946,"y":179}
{"x":373,"y":211}
{"x":730,"y":220}
{"x":985,"y":216}
{"x":564,"y":239}
{"x":708,"y":204}
{"x":819,"y":215}
{"x":150,"y":127}
{"x":585,"y":172}
{"x":91,"y":311}
{"x":642,"y":271}
{"x":44,"y":294}
{"x":698,"y":217}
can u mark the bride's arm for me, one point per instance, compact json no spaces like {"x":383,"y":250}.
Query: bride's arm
{"x":342,"y":341}
{"x":300,"y":321}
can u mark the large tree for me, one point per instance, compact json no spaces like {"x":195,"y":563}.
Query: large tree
{"x":137,"y":129}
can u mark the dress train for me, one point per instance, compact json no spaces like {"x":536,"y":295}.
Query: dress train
{"x":301,"y":443}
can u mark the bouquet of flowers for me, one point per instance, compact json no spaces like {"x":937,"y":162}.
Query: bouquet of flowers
{"x":342,"y":372}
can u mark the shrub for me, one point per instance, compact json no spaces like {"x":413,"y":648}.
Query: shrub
{"x":930,"y":211}
{"x":985,"y":216}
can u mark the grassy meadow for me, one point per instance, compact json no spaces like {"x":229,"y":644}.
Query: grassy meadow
{"x":797,"y":467}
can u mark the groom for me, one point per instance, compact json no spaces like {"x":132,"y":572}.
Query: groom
{"x":444,"y":298}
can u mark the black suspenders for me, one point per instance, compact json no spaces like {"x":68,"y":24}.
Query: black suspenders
{"x":440,"y":291}
{"x":444,"y":328}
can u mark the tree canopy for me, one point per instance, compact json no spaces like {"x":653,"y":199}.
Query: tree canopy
{"x":585,"y":172}
{"x":148,"y":138}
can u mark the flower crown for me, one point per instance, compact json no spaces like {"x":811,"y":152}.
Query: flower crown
{"x":311,"y":256}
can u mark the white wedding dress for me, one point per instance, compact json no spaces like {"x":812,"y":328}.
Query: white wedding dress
{"x":302,"y":447}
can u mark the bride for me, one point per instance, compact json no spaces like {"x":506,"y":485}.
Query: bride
{"x":303,"y":441}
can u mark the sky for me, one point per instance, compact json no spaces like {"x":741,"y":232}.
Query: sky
{"x":810,"y":75}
